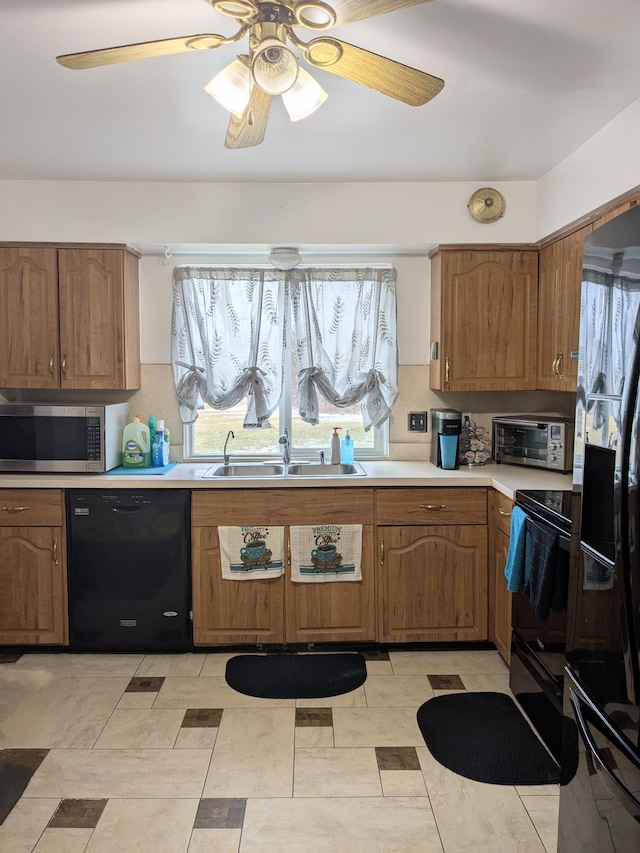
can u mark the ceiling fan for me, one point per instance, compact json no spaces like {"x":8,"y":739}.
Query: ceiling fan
{"x":247,"y":86}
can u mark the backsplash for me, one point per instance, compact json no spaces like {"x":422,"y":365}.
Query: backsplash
{"x":157,"y":397}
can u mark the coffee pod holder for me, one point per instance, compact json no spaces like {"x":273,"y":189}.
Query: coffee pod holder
{"x":475,"y":443}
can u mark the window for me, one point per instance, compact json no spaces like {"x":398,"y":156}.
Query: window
{"x":257,"y":350}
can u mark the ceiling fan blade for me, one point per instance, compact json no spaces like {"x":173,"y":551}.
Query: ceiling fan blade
{"x":145,"y":50}
{"x":348,"y":11}
{"x":248,"y":131}
{"x":384,"y":75}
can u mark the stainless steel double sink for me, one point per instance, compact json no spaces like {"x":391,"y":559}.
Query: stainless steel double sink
{"x":269,"y":470}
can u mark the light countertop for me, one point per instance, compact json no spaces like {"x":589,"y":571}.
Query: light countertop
{"x":505,"y":478}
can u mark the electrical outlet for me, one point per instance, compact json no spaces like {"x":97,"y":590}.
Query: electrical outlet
{"x":466,"y":418}
{"x":417,"y":422}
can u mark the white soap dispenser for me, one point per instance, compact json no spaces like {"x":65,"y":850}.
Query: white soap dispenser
{"x":335,"y":447}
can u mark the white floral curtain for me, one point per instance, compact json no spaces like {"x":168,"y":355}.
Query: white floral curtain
{"x":228,"y":330}
{"x":607,"y":316}
{"x":344,"y":322}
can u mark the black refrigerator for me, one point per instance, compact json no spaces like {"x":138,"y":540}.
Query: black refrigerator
{"x":600,"y":790}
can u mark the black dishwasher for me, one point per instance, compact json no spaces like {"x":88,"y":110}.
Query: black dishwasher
{"x":129,"y":559}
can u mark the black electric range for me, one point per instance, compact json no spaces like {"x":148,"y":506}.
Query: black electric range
{"x":538,"y":644}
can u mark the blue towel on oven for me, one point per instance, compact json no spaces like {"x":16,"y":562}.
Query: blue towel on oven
{"x":514,"y":570}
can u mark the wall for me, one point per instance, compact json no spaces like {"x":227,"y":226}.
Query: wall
{"x":605,"y":167}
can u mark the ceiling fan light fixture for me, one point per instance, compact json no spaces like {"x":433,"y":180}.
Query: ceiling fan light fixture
{"x":232,"y":87}
{"x":304,"y":97}
{"x":274,"y":67}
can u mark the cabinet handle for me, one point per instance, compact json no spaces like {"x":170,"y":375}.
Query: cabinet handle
{"x":51,"y":363}
{"x":505,"y":514}
{"x":15,"y":508}
{"x":559,"y":374}
{"x":554,"y":366}
{"x":433,"y":507}
{"x":446,"y":369}
{"x":382,"y":552}
{"x":64,"y":365}
{"x":288,"y":551}
{"x":55,"y":552}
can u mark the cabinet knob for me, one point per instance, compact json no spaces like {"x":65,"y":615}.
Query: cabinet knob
{"x":15,"y":508}
{"x":433,"y":507}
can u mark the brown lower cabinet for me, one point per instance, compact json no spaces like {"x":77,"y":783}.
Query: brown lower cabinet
{"x":33,"y":576}
{"x":277,"y":610}
{"x":432,"y":564}
{"x":500,"y":509}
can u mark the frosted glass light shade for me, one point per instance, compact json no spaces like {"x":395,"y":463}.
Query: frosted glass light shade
{"x":274,"y":67}
{"x":304,"y":97}
{"x":232,"y":87}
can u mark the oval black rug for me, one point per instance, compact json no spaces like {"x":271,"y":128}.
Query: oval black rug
{"x":292,"y":676}
{"x":485,"y":737}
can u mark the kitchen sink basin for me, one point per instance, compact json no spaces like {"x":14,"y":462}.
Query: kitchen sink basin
{"x":258,"y":471}
{"x":351,"y":469}
{"x":249,"y":470}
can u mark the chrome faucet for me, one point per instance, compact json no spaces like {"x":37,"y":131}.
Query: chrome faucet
{"x":286,"y":448}
{"x":225,"y":455}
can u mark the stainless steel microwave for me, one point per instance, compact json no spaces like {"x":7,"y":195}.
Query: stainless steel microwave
{"x":61,"y":438}
{"x":538,"y":441}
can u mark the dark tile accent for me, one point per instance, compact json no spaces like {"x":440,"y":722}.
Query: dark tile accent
{"x":446,"y":682}
{"x":78,"y":814}
{"x":145,"y":685}
{"x":202,"y":718}
{"x":375,"y":654}
{"x":17,"y":766}
{"x":220,"y":814}
{"x":397,"y":758}
{"x":6,"y":658}
{"x":314,"y":717}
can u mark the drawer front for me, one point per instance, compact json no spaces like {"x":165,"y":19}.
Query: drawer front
{"x":281,"y":506}
{"x":431,"y":506}
{"x":501,"y":509}
{"x":31,"y":507}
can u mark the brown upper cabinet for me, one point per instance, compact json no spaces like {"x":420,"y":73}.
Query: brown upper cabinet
{"x":559,"y":287}
{"x":483,"y":318}
{"x":560,"y":278}
{"x":69,"y":318}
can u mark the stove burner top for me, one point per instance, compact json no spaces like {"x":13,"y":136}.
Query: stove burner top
{"x":552,"y":505}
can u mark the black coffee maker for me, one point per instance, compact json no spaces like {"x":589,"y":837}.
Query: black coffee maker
{"x":446,"y":425}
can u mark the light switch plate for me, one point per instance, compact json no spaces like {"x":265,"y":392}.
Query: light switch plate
{"x":417,"y":422}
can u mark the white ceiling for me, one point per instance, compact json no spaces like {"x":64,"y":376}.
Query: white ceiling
{"x":526,"y":83}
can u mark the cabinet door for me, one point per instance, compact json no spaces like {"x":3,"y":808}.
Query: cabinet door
{"x":486,"y":307}
{"x":33,"y":591}
{"x":499,"y":596}
{"x":337,"y":611}
{"x":226,"y":612}
{"x":433,"y":583}
{"x":560,"y":284}
{"x":29,"y":351}
{"x":98,"y":318}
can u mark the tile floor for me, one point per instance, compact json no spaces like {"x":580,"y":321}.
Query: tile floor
{"x":157,"y":753}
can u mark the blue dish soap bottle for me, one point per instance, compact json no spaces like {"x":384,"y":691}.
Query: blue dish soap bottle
{"x":347,"y":450}
{"x":160,"y":449}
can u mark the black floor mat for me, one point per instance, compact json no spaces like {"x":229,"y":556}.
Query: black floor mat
{"x":292,"y":676}
{"x":485,"y":737}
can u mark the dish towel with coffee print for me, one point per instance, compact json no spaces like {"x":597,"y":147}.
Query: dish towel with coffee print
{"x":326,"y":552}
{"x":251,"y":552}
